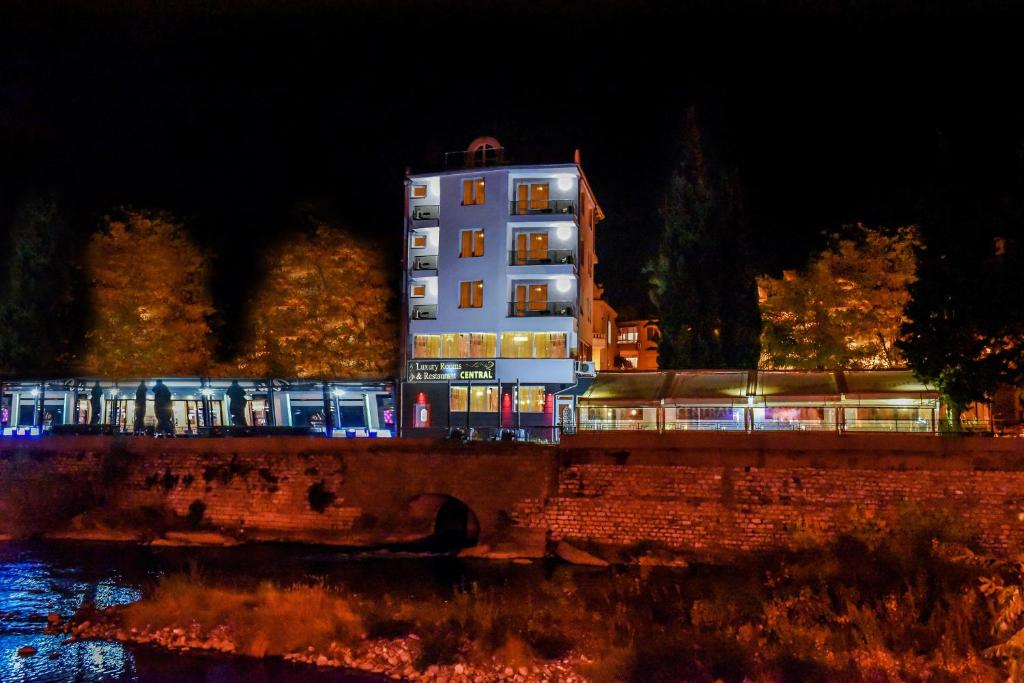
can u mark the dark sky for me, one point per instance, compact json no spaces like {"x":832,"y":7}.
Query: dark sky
{"x":234,"y":116}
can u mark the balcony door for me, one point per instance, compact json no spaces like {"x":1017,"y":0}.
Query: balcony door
{"x":531,"y":298}
{"x":532,"y":197}
{"x":531,"y":246}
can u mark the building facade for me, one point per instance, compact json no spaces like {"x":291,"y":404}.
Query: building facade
{"x":497,"y":301}
{"x":638,"y":344}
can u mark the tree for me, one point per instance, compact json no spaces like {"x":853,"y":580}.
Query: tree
{"x":845,"y":309}
{"x":150,"y":298}
{"x":701,"y":282}
{"x":965,"y":321}
{"x":324,"y":311}
{"x":37,"y":306}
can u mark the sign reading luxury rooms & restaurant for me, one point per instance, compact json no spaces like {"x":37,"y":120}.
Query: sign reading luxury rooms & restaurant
{"x":446,"y":370}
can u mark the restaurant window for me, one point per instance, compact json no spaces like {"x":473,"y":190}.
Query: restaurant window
{"x":419,"y":191}
{"x":426,"y":346}
{"x":516,"y":344}
{"x":473,"y":191}
{"x":418,"y":291}
{"x":483,"y":345}
{"x":531,"y":399}
{"x":550,"y":344}
{"x":532,"y":197}
{"x":471,"y":294}
{"x":482,"y":399}
{"x":472,"y":243}
{"x":419,"y":241}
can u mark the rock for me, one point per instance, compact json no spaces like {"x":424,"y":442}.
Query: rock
{"x":574,"y":555}
{"x":26,"y":651}
{"x":54,"y":655}
{"x":475,"y":551}
{"x":322,"y":660}
{"x":53,"y":618}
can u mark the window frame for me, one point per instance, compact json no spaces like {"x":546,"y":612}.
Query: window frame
{"x":474,"y":191}
{"x":476,"y":239}
{"x":475,"y":298}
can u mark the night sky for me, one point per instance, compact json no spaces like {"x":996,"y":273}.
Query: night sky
{"x":236,"y":117}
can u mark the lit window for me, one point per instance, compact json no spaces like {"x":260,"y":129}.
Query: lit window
{"x":482,"y":399}
{"x":516,"y":344}
{"x":426,"y":346}
{"x":419,"y":241}
{"x":419,"y":191}
{"x":532,"y":197}
{"x":483,"y":345}
{"x":471,"y":294}
{"x":455,"y":345}
{"x":550,"y":344}
{"x":418,"y":291}
{"x":472,"y":243}
{"x":531,"y":399}
{"x":473,"y":191}
{"x":532,"y":246}
{"x":627,"y":335}
{"x":538,"y":298}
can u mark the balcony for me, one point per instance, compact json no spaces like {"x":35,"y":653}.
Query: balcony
{"x":425,"y":212}
{"x":530,"y":309}
{"x":548,"y":207}
{"x":424,"y":312}
{"x":542,"y":258}
{"x":425,"y":262}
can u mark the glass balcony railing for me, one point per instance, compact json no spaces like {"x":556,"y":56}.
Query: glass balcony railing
{"x":530,"y":309}
{"x":425,"y":262}
{"x":541,"y":258}
{"x":426,"y":212}
{"x":424,"y":312}
{"x":486,"y":156}
{"x":527,"y":207}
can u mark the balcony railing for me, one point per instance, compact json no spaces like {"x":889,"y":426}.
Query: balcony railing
{"x":488,"y":156}
{"x":424,"y":312}
{"x":426,"y":212}
{"x":541,"y":258}
{"x":525,"y":207}
{"x":425,"y":262}
{"x":529,"y":309}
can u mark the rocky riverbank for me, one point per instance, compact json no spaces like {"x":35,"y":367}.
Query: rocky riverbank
{"x":391,"y":657}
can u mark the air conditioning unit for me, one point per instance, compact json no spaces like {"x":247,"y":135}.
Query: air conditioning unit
{"x":586,"y":368}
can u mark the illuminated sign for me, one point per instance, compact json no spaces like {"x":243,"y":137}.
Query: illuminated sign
{"x":445,"y":370}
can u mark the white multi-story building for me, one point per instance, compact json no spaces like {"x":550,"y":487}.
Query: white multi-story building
{"x":498,"y":293}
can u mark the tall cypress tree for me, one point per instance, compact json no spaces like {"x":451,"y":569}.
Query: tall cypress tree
{"x":702,"y":284}
{"x":38,"y":318}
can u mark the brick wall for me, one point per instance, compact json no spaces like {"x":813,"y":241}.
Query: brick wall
{"x":703,"y":493}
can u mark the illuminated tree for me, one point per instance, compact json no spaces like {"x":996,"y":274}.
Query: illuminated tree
{"x":325,"y":310}
{"x":38,"y":317}
{"x":845,"y":309}
{"x":702,"y":284}
{"x":150,"y":299}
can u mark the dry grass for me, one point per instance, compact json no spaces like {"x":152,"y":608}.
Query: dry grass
{"x":267,"y":621}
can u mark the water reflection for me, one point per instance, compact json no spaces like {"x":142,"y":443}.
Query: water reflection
{"x":39,"y":578}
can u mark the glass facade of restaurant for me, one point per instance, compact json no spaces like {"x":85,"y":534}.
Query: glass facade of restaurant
{"x":196,"y":405}
{"x":759,"y":401}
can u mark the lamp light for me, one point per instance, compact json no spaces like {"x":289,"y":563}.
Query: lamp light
{"x":563,"y":232}
{"x":562,"y":284}
{"x":565,"y":183}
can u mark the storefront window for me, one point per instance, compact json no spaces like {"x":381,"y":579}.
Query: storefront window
{"x":531,"y":399}
{"x":483,"y":399}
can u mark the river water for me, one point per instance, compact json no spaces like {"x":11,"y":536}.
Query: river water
{"x":41,"y":577}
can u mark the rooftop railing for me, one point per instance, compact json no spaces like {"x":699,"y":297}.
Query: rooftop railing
{"x":489,"y":156}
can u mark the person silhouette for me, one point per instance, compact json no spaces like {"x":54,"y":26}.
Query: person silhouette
{"x":236,"y":403}
{"x":140,"y":407}
{"x":162,"y":407}
{"x":96,"y":403}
